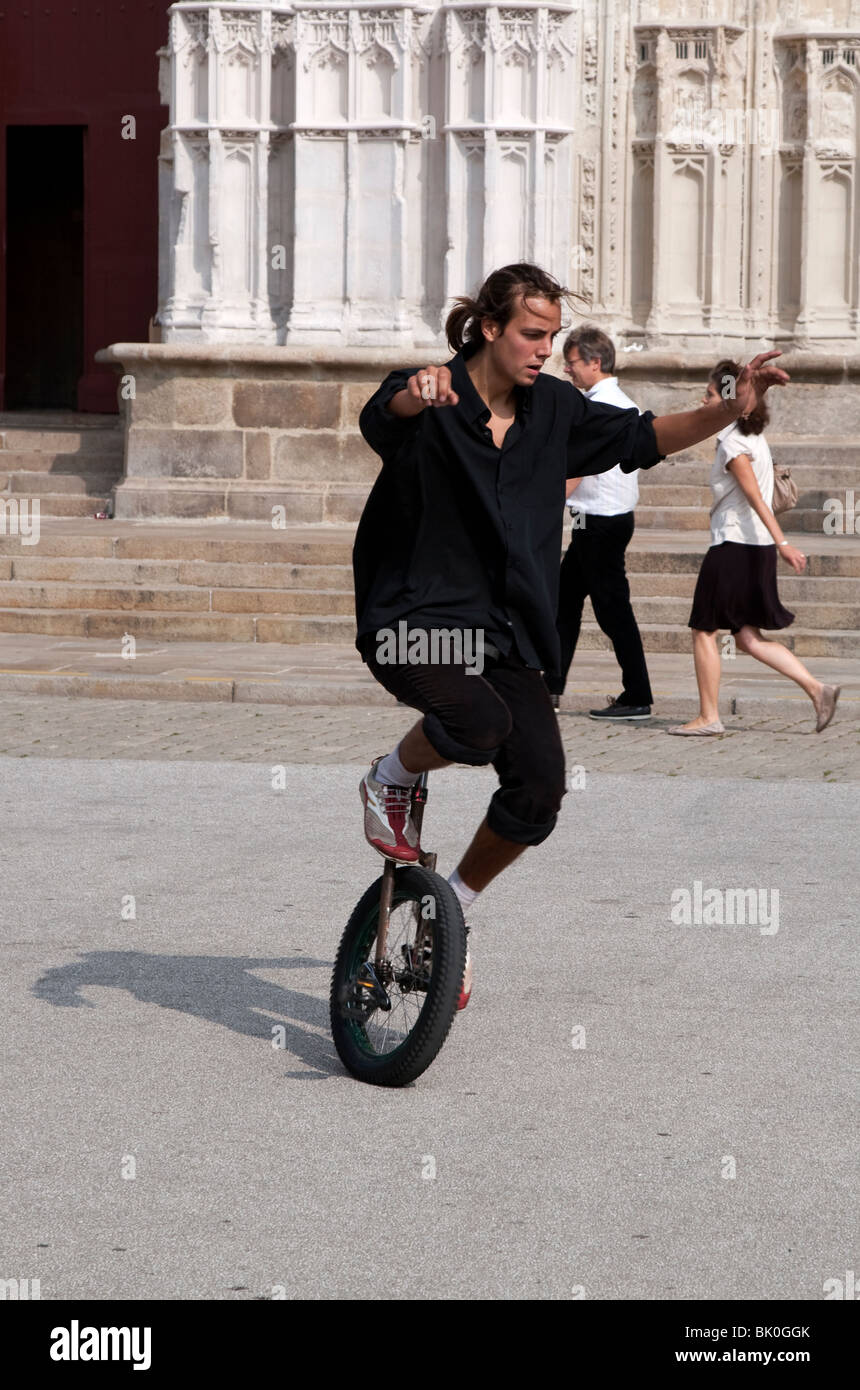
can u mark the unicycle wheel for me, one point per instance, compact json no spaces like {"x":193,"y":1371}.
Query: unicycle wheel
{"x":389,"y":1020}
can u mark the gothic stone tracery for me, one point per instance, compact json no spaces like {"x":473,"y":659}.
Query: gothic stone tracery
{"x":336,"y":173}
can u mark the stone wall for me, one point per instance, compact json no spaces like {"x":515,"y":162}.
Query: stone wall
{"x":235,"y":432}
{"x":335,"y":173}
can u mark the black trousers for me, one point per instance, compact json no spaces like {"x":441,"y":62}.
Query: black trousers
{"x":503,"y":716}
{"x":593,"y":567}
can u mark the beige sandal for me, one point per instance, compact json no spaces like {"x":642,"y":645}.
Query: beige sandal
{"x":705,"y":730}
{"x":826,"y":710}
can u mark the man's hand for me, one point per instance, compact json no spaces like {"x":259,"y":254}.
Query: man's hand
{"x":683,"y":428}
{"x":431,"y":386}
{"x":755,"y":379}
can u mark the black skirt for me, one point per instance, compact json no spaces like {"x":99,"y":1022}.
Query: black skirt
{"x":737,"y":587}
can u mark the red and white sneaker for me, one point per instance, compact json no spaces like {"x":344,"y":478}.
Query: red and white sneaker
{"x":388,"y":823}
{"x":466,"y":986}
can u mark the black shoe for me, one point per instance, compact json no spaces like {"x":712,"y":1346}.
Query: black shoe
{"x":616,"y":710}
{"x":555,"y":699}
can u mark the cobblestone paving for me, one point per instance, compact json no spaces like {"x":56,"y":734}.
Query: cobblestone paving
{"x":55,"y":727}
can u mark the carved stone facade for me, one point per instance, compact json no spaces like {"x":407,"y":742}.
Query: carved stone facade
{"x":334,"y":174}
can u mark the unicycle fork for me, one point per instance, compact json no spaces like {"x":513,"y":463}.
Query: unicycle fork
{"x":397,"y":976}
{"x":427,"y":861}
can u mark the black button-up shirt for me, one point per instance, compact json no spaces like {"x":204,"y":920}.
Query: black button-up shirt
{"x":458,"y":533}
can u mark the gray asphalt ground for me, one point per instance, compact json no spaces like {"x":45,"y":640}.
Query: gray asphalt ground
{"x":561,"y":1171}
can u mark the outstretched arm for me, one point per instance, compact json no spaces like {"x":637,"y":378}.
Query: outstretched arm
{"x":686,"y":427}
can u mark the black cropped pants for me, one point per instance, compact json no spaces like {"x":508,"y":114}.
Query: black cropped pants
{"x":502,"y":717}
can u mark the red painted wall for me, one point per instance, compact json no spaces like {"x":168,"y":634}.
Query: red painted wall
{"x":90,"y":63}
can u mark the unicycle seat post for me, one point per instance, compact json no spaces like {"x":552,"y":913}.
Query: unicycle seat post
{"x":427,"y":860}
{"x":419,"y":801}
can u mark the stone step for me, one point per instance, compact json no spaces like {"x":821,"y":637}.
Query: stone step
{"x":802,"y":448}
{"x":341,"y":504}
{"x":641,"y":559}
{"x":829,"y":477}
{"x":320,"y":547}
{"x":839,"y":451}
{"x":644,"y":583}
{"x":792,"y":588}
{"x":330,"y":603}
{"x":277,"y":576}
{"x":669,"y":552}
{"x":52,"y":463}
{"x":16,"y":594}
{"x":187,"y":599}
{"x":667,"y":493}
{"x":674,"y":495}
{"x":245,"y":628}
{"x":669,"y":517}
{"x":695,"y":518}
{"x":314,"y":504}
{"x":92,"y":442}
{"x":179,"y":627}
{"x":165,"y":573}
{"x":829,"y":480}
{"x":657,"y":638}
{"x":812,"y":522}
{"x":63,"y":504}
{"x":291,"y":549}
{"x":40,"y":485}
{"x":668,"y":610}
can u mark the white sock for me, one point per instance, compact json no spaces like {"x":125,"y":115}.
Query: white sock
{"x":391,"y":771}
{"x":465,"y":894}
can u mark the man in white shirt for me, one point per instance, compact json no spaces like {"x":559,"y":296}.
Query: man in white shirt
{"x":602,"y":508}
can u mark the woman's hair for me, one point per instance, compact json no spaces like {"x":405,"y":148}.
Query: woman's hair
{"x":728,"y":370}
{"x":498,"y":299}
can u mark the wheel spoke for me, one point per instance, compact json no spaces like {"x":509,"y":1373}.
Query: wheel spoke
{"x":393,"y":1046}
{"x":386,"y":1034}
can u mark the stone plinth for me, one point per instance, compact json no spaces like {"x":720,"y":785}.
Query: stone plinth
{"x":238,"y":431}
{"x":235,"y":431}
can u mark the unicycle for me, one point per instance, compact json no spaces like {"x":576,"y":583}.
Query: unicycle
{"x":398,"y":971}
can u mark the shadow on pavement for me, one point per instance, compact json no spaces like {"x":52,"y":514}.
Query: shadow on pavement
{"x":220,"y":989}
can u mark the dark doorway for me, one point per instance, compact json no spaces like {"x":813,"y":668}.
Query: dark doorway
{"x":44,"y":266}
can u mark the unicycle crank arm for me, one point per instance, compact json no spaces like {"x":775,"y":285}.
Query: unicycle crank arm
{"x":370,"y":988}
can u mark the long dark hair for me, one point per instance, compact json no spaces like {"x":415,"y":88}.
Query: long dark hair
{"x":758,"y":418}
{"x":498,"y":299}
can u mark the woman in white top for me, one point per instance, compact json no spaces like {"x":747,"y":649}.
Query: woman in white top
{"x":736,"y":588}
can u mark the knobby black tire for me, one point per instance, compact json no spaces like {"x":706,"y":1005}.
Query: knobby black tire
{"x":448,"y":936}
